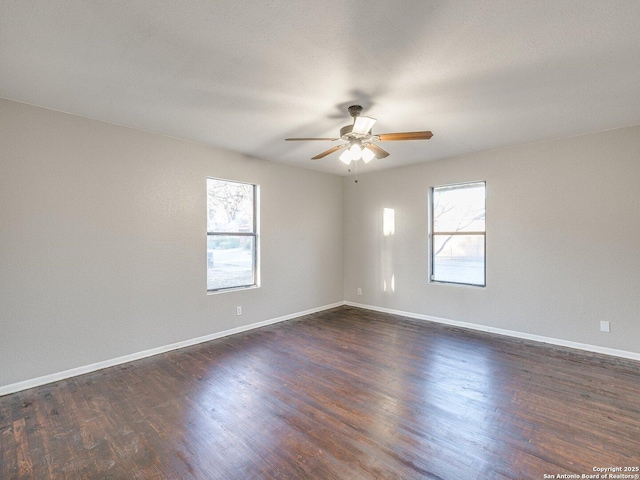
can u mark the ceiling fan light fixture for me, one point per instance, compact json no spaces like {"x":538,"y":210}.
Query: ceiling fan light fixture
{"x":346,"y":157}
{"x":356,"y":150}
{"x":363,"y":125}
{"x":367,"y":155}
{"x":360,"y":142}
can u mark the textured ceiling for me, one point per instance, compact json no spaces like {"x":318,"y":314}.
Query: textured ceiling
{"x":244,"y":75}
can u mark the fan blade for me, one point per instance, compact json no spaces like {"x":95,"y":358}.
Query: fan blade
{"x":377,"y":151}
{"x":305,"y":139}
{"x":329,"y":152}
{"x":390,"y":137}
{"x":363,"y":125}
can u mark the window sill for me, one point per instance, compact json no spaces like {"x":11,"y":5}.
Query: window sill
{"x":454,"y":284}
{"x":233,"y":289}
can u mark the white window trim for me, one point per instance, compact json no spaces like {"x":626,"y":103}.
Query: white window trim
{"x":430,"y":240}
{"x":255,"y":235}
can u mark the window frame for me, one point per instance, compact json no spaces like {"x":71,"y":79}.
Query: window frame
{"x":254,"y":233}
{"x":433,"y":233}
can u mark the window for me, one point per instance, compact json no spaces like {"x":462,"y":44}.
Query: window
{"x":232,"y":235}
{"x":458,"y":235}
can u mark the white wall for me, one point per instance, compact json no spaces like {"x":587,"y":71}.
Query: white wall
{"x":103,"y":241}
{"x":563,"y":239}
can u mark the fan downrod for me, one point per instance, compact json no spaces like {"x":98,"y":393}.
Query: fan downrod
{"x":355,"y":110}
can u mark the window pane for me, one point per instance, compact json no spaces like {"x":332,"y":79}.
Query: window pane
{"x":230,"y":261}
{"x":459,"y":208}
{"x":229,"y":206}
{"x":458,"y":259}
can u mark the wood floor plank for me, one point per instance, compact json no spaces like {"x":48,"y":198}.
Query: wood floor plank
{"x":8,"y":459}
{"x":343,"y":393}
{"x":25,"y":468}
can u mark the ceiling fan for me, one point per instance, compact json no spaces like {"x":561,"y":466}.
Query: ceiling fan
{"x":361,"y":142}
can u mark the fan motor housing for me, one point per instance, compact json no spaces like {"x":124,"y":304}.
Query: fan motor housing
{"x":346,"y":133}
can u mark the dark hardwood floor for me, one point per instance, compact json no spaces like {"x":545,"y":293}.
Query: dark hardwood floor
{"x":342,"y":394}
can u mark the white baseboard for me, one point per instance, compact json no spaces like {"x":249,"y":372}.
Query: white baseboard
{"x":501,"y":331}
{"x":54,"y":377}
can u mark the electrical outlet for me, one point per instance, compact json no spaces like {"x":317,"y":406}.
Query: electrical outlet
{"x":605,"y":326}
{"x":359,"y":291}
{"x":238,"y":310}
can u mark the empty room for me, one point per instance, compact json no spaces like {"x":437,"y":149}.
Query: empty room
{"x":330,"y":240}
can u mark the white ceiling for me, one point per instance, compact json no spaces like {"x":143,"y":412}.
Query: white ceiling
{"x":244,"y":75}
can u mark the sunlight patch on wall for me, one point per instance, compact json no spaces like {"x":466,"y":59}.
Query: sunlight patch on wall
{"x":388,"y":222}
{"x":388,"y":230}
{"x":392,"y":284}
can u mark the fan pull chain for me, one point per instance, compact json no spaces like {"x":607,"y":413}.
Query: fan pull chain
{"x":349,"y":170}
